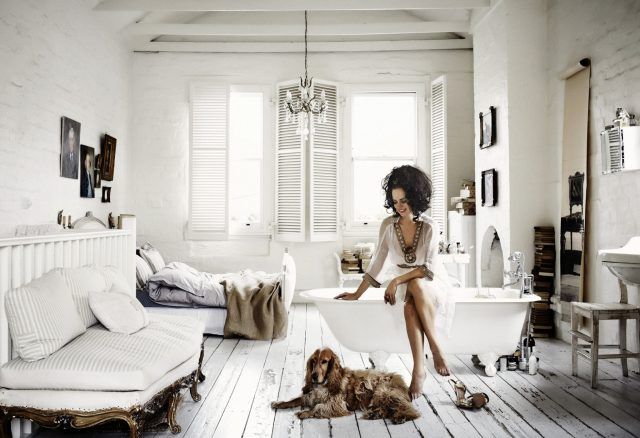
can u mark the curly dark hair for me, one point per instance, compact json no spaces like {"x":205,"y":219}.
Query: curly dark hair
{"x":416,"y":185}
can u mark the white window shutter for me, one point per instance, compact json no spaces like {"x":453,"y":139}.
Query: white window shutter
{"x":439,"y":153}
{"x":323,"y":168}
{"x":208,"y":218}
{"x":290,"y":173}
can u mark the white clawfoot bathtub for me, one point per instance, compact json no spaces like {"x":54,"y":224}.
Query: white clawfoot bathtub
{"x":488,"y":324}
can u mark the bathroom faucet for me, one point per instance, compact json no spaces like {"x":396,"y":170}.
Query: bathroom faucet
{"x":518,"y":275}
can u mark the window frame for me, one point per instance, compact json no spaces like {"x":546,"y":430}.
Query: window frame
{"x":353,"y":228}
{"x":257,"y":230}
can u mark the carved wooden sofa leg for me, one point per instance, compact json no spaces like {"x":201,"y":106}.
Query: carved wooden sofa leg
{"x":5,"y":425}
{"x":172,"y":409}
{"x":198,"y":377}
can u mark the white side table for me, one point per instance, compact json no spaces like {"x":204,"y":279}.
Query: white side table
{"x":342,"y":277}
{"x":461,"y":261}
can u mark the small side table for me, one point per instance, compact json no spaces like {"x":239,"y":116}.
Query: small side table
{"x":342,"y":277}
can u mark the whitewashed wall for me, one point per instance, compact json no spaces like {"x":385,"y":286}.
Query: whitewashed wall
{"x":510,"y":74}
{"x":57,"y":60}
{"x":609,"y":34}
{"x":160,"y":132}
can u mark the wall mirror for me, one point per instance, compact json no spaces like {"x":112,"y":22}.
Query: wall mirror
{"x":574,"y":189}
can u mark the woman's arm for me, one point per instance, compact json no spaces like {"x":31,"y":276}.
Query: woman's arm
{"x":375,"y":266}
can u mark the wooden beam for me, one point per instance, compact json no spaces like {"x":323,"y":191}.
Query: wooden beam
{"x":286,"y":5}
{"x":347,"y":46}
{"x":297,"y":30}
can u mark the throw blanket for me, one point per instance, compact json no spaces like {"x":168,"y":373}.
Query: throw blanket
{"x":180,"y":285}
{"x":255,"y":306}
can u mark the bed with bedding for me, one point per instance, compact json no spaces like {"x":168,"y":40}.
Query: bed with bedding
{"x":249,"y":304}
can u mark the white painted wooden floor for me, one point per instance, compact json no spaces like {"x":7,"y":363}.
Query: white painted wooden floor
{"x":243,"y":377}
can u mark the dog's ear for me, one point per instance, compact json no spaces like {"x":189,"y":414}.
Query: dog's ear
{"x":308,"y":384}
{"x":335,"y":373}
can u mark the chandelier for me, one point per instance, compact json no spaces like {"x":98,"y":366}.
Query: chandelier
{"x":308,"y":105}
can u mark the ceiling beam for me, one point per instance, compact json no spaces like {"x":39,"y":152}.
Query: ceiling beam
{"x":259,"y":47}
{"x":286,"y":5}
{"x":297,"y":30}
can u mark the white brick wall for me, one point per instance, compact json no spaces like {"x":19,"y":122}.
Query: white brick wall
{"x":608,"y":33}
{"x":57,"y":60}
{"x":160,"y":133}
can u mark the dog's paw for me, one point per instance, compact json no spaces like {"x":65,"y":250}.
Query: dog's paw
{"x":303,"y":415}
{"x":275,"y":405}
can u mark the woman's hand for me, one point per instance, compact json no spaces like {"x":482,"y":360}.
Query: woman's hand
{"x":348,"y":296}
{"x":390,"y":293}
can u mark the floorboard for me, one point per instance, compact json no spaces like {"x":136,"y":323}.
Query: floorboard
{"x":243,"y":378}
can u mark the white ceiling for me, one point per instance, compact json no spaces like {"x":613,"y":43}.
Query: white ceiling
{"x":278,"y":25}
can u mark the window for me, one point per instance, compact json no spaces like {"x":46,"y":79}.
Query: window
{"x":384,"y":129}
{"x":229,"y":138}
{"x":246,"y":145}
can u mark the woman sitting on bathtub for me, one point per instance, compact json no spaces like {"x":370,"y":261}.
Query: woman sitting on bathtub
{"x":409,"y":244}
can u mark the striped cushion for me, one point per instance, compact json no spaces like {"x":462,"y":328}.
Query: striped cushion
{"x":143,"y":272}
{"x":153,"y":257}
{"x":118,"y":311}
{"x":101,"y":360}
{"x":81,"y":281}
{"x":84,"y":280}
{"x":42,"y":317}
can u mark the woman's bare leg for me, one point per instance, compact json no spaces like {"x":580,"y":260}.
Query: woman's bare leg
{"x":426,"y":313}
{"x":416,"y":340}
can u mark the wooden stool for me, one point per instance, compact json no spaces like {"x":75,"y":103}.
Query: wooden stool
{"x":621,"y":311}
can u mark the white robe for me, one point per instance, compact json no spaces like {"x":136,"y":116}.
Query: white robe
{"x":385,"y":263}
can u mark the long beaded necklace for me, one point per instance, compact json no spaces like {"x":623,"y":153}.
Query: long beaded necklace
{"x":409,"y":251}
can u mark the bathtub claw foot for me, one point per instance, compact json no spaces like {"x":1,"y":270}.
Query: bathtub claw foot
{"x":489,"y":362}
{"x":378,"y":360}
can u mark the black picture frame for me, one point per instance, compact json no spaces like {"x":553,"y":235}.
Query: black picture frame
{"x":108,"y":154}
{"x":106,"y":194}
{"x":69,"y":148}
{"x":87,"y":174}
{"x":489,"y":188}
{"x":488,"y":128}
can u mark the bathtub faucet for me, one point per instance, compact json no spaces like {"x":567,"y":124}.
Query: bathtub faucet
{"x":518,"y":276}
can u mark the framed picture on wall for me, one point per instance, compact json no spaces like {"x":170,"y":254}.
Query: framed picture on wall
{"x":489,"y":188}
{"x":98,"y":172}
{"x":69,"y":148}
{"x":106,"y":194}
{"x":87,"y":175}
{"x":108,"y":154}
{"x":488,"y":128}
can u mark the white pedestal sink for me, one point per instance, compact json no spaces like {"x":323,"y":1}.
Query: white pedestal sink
{"x":623,"y":262}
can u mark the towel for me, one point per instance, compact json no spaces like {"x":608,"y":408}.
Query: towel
{"x":255,"y":306}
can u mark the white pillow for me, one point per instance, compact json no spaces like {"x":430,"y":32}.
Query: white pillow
{"x":42,"y":316}
{"x":143,"y":272}
{"x":118,"y":311}
{"x":152,"y":256}
{"x":81,"y":281}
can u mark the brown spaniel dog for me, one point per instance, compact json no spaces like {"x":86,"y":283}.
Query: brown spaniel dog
{"x":333,"y":391}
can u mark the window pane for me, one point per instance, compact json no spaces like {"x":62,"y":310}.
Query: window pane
{"x":368,"y":197}
{"x":245,"y":125}
{"x":384,"y":124}
{"x":245,"y":180}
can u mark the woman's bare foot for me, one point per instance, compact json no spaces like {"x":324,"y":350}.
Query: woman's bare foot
{"x":415,"y":388}
{"x":440,"y":364}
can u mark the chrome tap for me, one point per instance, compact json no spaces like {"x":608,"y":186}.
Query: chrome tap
{"x":518,"y":276}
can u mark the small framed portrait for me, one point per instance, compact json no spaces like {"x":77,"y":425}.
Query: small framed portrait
{"x":108,"y":157}
{"x":69,"y":148}
{"x":488,"y":128}
{"x":87,"y":175}
{"x":106,"y":194}
{"x":489,"y":188}
{"x":97,"y":171}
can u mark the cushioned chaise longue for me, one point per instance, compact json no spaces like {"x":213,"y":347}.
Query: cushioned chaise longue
{"x":69,"y":370}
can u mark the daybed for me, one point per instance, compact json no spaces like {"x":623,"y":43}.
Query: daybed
{"x":98,"y":375}
{"x":211,"y":308}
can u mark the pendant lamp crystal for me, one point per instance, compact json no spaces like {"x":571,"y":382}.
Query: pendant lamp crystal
{"x":301,"y":110}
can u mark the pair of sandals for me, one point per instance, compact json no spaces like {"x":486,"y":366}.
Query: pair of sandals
{"x":472,"y":401}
